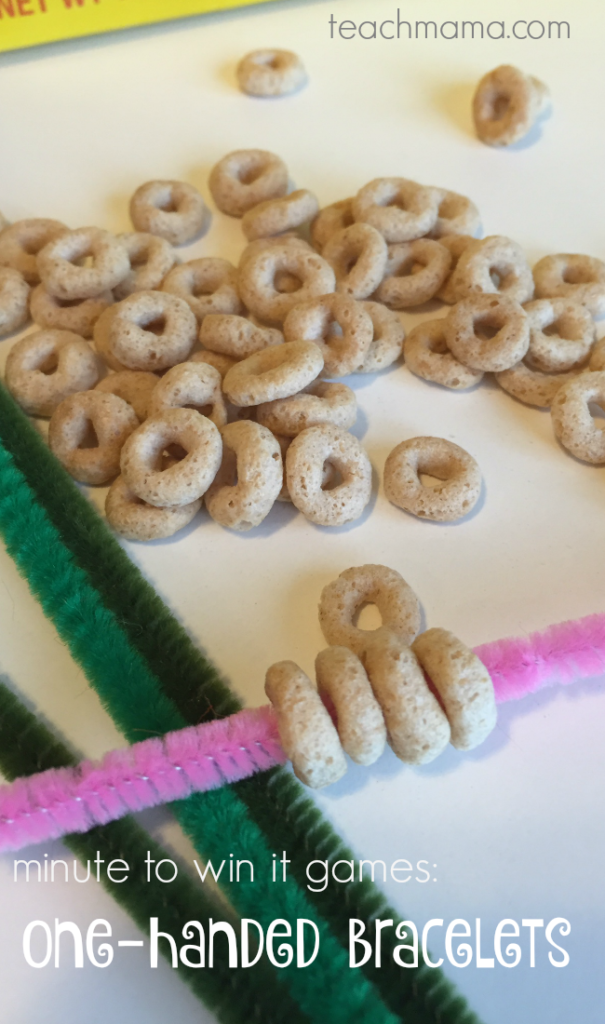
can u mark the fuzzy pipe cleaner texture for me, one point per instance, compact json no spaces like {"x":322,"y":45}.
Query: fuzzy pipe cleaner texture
{"x":59,"y":801}
{"x":160,"y":647}
{"x":214,"y":821}
{"x":235,"y":995}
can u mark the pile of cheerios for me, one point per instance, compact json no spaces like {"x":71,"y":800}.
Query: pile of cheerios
{"x":202,"y":382}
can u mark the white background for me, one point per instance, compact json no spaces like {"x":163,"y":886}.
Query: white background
{"x":515,"y":829}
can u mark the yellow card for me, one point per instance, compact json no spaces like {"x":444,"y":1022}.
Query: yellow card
{"x":31,"y":22}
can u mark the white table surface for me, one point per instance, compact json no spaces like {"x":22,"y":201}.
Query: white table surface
{"x":515,"y":829}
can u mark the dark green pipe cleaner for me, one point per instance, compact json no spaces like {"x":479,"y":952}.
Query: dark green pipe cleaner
{"x":236,"y":996}
{"x":275,"y":800}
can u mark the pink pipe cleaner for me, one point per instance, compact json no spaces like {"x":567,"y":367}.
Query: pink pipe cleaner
{"x":57,"y":802}
{"x":64,"y":800}
{"x":556,"y":656}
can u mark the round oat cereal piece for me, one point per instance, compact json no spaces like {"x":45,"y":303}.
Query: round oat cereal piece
{"x":14,"y":301}
{"x":487,"y":332}
{"x":572,"y":276}
{"x":305,"y":461}
{"x":78,"y":316}
{"x":235,"y":336}
{"x":63,"y":270}
{"x":284,"y":281}
{"x":571,"y":335}
{"x":318,"y":321}
{"x":400,"y":209}
{"x":3,"y":222}
{"x":342,"y":678}
{"x":330,"y":220}
{"x":136,"y":520}
{"x":532,"y":386}
{"x":245,"y":178}
{"x":277,"y":216}
{"x":22,"y":241}
{"x":306,"y":731}
{"x":44,"y":368}
{"x":192,"y":386}
{"x":132,"y":386}
{"x":271,"y":73}
{"x":183,"y":482}
{"x":506,"y":105}
{"x":463,"y":683}
{"x":426,"y":354}
{"x":276,"y":372}
{"x":147,"y":331}
{"x":456,"y":244}
{"x":82,"y":419}
{"x":220,"y":362}
{"x":387,"y":341}
{"x":207,"y":285}
{"x":457,"y":215}
{"x":493,"y":266}
{"x":459,"y":477}
{"x":320,"y":402}
{"x":572,"y":419}
{"x":342,"y":600}
{"x":415,"y":272}
{"x":250,"y":479}
{"x":174,"y":210}
{"x":260,"y":245}
{"x":151,"y":258}
{"x":358,"y":254}
{"x":417,"y":728}
{"x":260,"y":276}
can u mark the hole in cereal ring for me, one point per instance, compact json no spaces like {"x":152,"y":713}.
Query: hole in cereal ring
{"x":577,"y":275}
{"x":248,"y":175}
{"x":597,"y":411}
{"x":166,"y":202}
{"x":500,"y":106}
{"x":156,"y":326}
{"x":553,"y":330}
{"x":334,"y":330}
{"x":367,"y":617}
{"x":332,"y":477}
{"x":49,"y":365}
{"x":31,"y":246}
{"x":268,"y":60}
{"x":437,"y":345}
{"x":486,"y":327}
{"x":140,"y":258}
{"x":202,"y":288}
{"x":89,"y":437}
{"x":286,"y":283}
{"x":399,"y":202}
{"x":449,"y":207}
{"x":86,"y":261}
{"x":174,"y":453}
{"x":430,"y":480}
